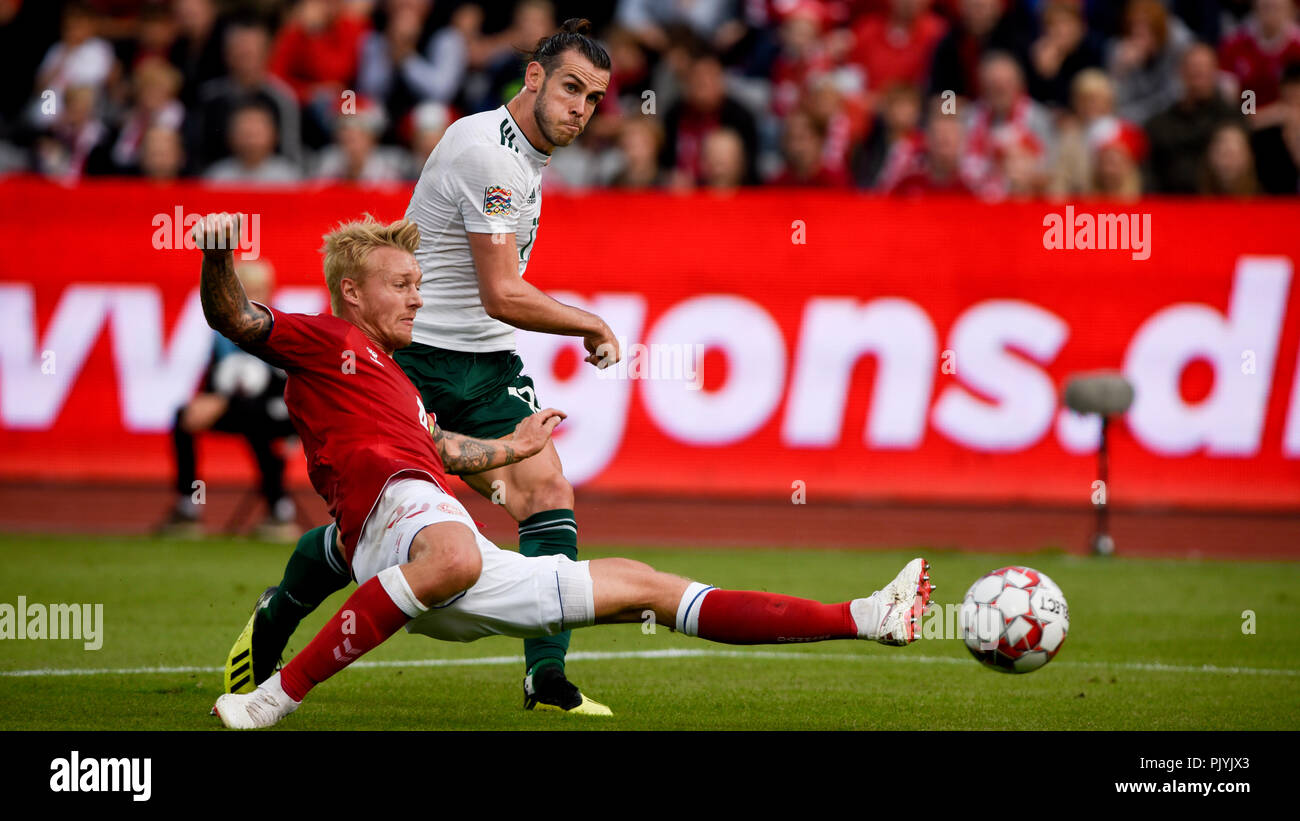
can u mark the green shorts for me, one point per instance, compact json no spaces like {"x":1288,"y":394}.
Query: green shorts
{"x":483,"y":395}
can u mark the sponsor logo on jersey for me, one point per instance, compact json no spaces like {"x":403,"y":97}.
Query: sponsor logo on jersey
{"x":532,"y":197}
{"x":496,"y":201}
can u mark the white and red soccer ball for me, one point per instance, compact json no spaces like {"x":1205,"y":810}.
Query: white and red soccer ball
{"x":1014,"y":619}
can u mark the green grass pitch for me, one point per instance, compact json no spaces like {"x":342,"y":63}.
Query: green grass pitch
{"x":1153,"y":645}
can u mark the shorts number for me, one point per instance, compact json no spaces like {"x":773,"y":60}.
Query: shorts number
{"x":525,"y":395}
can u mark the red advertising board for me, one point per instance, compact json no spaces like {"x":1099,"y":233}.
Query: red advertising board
{"x":777,"y":343}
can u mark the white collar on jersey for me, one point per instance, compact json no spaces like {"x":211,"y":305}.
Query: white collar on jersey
{"x":527,"y":148}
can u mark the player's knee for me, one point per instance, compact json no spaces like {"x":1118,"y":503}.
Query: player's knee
{"x":461,"y":565}
{"x":443,"y":567}
{"x":551,"y":493}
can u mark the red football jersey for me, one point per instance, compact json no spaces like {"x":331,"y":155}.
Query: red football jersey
{"x":361,"y":420}
{"x":1258,"y":65}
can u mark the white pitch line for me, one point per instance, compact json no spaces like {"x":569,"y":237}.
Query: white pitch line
{"x":1153,"y":667}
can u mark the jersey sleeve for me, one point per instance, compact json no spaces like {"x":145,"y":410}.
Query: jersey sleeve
{"x":487,"y":189}
{"x":297,"y":340}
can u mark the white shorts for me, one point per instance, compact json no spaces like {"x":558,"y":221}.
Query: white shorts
{"x":515,"y":595}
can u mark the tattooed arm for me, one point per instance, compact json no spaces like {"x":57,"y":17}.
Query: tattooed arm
{"x":465,"y":454}
{"x":225,"y":305}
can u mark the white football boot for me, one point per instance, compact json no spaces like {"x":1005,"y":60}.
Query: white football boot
{"x":262,"y":707}
{"x":891,"y":614}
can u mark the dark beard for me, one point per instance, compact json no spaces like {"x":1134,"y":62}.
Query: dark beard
{"x":543,"y":125}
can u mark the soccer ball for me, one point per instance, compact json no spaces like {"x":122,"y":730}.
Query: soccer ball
{"x":1014,"y":619}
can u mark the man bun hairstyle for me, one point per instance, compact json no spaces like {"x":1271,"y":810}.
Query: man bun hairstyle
{"x":574,"y":34}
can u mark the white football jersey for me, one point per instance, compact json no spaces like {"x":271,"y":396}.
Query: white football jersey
{"x":484,"y":177}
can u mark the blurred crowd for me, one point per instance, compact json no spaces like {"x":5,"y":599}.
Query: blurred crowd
{"x":995,"y":99}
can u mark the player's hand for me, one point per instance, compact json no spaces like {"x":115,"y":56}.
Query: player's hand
{"x":532,"y":434}
{"x":602,"y":347}
{"x":217,"y":233}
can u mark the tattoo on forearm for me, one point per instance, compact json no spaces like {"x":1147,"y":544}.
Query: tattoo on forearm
{"x":226,"y":306}
{"x":462,"y":454}
{"x":475,"y":456}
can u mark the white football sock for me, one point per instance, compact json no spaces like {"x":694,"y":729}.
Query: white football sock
{"x":688,"y":609}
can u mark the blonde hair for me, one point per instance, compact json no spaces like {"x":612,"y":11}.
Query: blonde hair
{"x":347,"y":247}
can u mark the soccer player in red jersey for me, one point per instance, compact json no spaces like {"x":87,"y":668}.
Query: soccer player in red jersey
{"x":419,"y":561}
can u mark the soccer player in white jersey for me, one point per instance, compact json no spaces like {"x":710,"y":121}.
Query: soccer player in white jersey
{"x":478,"y":207}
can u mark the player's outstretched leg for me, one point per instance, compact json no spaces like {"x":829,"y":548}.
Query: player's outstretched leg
{"x":546,"y":686}
{"x":445,"y":562}
{"x":538,"y":496}
{"x":623,"y":589}
{"x":314,"y":572}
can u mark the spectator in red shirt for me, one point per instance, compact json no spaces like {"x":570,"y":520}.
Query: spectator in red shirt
{"x":1022,"y":165}
{"x":317,"y":53}
{"x":844,"y":115}
{"x":803,"y":54}
{"x":1003,"y":115}
{"x":704,"y":108}
{"x":1261,"y":48}
{"x":317,"y":50}
{"x":801,"y":148}
{"x":936,"y":169}
{"x":898,"y":47}
{"x":895,"y":138}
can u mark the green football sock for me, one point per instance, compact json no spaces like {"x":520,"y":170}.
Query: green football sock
{"x":314,"y":572}
{"x":546,"y":534}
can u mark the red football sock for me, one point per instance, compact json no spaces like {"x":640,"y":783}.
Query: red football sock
{"x":364,"y":622}
{"x":750,"y":617}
